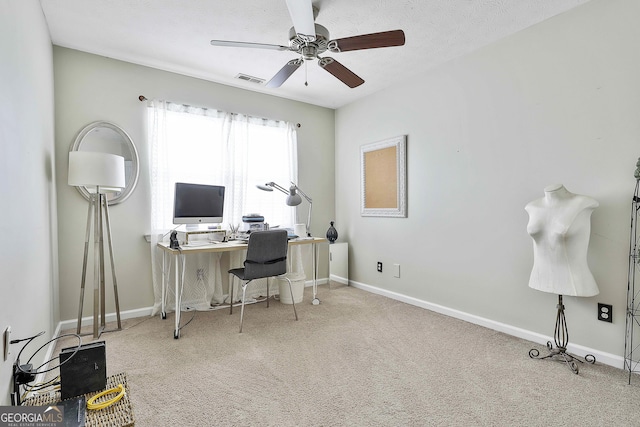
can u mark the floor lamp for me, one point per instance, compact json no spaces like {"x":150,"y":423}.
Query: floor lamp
{"x":293,"y":198}
{"x":99,"y":173}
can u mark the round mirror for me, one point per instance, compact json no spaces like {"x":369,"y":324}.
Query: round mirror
{"x":105,"y":137}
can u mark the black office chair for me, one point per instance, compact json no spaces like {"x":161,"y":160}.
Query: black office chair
{"x":266,"y":257}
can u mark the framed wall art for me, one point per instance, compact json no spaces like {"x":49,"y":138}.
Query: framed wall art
{"x":383,"y":174}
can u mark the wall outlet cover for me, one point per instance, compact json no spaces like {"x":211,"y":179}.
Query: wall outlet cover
{"x":605,"y":312}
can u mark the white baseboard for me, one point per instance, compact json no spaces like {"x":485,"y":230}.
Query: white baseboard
{"x":579,"y":350}
{"x":601,"y":357}
{"x":110,"y":317}
{"x":309,"y":283}
{"x":339,"y":279}
{"x":325,"y":281}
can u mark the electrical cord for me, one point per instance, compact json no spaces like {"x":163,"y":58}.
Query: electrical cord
{"x":54,"y":383}
{"x":42,"y":385}
{"x":36,"y":371}
{"x":23,"y":376}
{"x":168,"y":232}
{"x":193,"y":316}
{"x":97,"y":406}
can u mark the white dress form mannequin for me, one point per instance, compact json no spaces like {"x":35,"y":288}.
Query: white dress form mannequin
{"x":560,"y":226}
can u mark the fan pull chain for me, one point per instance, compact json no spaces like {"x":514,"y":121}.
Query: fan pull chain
{"x":306,"y":83}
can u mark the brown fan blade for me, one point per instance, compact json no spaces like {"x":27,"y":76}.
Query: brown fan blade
{"x":229,"y":43}
{"x":368,"y":41}
{"x":341,"y":72}
{"x":284,"y":73}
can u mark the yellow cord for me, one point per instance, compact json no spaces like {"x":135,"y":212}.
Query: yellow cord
{"x":91,"y":402}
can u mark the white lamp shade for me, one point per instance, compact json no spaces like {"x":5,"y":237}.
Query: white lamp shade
{"x":93,"y":169}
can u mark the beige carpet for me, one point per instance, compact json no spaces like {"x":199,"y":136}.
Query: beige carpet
{"x":358,"y":359}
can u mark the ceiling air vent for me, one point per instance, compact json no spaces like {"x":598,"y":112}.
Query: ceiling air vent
{"x":251,"y":79}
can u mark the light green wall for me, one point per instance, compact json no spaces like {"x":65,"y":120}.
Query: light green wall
{"x":28,"y":252}
{"x":556,"y":103}
{"x":89,"y":88}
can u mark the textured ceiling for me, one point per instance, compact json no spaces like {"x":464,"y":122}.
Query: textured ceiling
{"x":174,"y":35}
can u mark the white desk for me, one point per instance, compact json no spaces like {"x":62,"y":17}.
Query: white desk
{"x":179,"y":254}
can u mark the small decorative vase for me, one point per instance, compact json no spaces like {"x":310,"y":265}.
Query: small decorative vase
{"x":332,"y":234}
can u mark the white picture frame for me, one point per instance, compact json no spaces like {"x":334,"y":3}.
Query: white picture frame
{"x":383,"y":173}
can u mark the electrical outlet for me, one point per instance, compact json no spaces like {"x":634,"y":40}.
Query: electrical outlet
{"x":6,"y":339}
{"x":379,"y":267}
{"x":605,"y":312}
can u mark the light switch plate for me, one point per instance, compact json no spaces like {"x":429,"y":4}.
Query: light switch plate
{"x":396,"y":270}
{"x":6,"y":338}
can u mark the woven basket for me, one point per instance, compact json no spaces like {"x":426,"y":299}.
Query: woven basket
{"x":120,"y":414}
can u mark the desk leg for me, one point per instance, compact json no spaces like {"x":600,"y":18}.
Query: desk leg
{"x":165,"y":280}
{"x":176,"y":331}
{"x":314,"y":267}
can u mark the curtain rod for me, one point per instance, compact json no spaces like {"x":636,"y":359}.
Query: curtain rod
{"x":143,"y":98}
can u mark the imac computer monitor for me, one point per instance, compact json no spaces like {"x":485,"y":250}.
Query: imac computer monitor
{"x":196,"y":204}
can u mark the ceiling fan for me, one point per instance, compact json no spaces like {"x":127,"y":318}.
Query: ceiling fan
{"x":309,"y":40}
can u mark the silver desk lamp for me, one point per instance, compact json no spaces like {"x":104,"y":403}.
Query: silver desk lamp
{"x":293,"y":198}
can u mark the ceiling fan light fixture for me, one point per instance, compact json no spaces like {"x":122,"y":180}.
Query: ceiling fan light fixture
{"x":298,"y":41}
{"x":309,"y":52}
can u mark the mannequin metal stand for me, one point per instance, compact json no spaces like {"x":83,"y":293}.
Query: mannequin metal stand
{"x":561,"y":339}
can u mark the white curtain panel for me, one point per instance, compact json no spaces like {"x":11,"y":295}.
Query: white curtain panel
{"x":230,"y":149}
